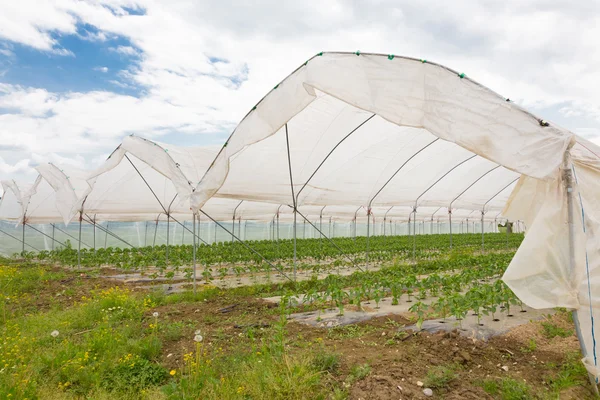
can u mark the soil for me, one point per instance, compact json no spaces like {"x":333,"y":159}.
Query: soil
{"x":397,"y":361}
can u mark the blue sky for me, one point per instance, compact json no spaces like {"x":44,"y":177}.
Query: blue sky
{"x":77,"y":76}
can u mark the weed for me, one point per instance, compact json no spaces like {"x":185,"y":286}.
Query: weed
{"x":552,"y":331}
{"x":507,"y":389}
{"x":440,"y":376}
{"x":571,"y":373}
{"x":327,"y":362}
{"x":531,"y":346}
{"x":358,"y":372}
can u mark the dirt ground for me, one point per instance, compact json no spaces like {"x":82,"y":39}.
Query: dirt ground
{"x":397,"y":361}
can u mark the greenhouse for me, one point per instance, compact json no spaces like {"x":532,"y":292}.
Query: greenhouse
{"x":353,"y":162}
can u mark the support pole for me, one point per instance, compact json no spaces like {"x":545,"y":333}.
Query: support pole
{"x":23,"y":246}
{"x":295,"y":250}
{"x":482,"y":236}
{"x":414,"y":234}
{"x":168,"y":229}
{"x":155,"y":231}
{"x":282,"y":272}
{"x":304,"y":230}
{"x":79,"y":244}
{"x":183,"y":234}
{"x":94,"y":234}
{"x":368,"y":236}
{"x":569,"y":184}
{"x":194,"y":249}
{"x":450,"y":223}
{"x":106,"y":235}
{"x":145,"y":234}
{"x":507,"y":234}
{"x":294,"y":199}
{"x":53,"y":228}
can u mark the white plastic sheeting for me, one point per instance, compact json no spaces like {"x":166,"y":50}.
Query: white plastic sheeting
{"x":347,"y":125}
{"x":381,"y":136}
{"x":28,"y":203}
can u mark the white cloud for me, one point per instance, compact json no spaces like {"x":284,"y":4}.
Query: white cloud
{"x":101,"y":69}
{"x":198,"y":74}
{"x":125,"y":50}
{"x":20,"y":167}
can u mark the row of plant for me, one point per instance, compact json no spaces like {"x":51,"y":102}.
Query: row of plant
{"x":314,"y":253}
{"x":446,"y":280}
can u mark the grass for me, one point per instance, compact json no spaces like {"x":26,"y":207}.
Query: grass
{"x":551,"y":330}
{"x":507,"y":389}
{"x":531,"y":346}
{"x":440,"y":376}
{"x":570,"y":373}
{"x":109,"y":345}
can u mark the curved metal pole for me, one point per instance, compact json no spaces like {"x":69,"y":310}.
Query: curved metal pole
{"x":442,"y":177}
{"x":483,"y":211}
{"x":385,"y":218}
{"x":432,"y":219}
{"x":398,"y":170}
{"x":463,"y":192}
{"x":329,"y":154}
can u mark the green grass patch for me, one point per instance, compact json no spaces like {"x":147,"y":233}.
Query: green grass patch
{"x":440,"y":376}
{"x":551,"y":330}
{"x":507,"y":389}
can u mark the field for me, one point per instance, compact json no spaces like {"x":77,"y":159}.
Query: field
{"x":88,"y":332}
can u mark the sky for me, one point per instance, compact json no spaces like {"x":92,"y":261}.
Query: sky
{"x":76,"y":76}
